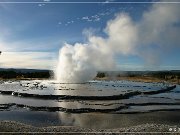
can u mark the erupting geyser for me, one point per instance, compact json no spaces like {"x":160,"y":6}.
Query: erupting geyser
{"x":79,"y":62}
{"x":74,"y":64}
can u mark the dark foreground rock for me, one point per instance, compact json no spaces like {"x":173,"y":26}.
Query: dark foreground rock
{"x":10,"y":127}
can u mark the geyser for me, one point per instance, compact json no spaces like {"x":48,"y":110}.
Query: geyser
{"x":156,"y":29}
{"x":75,"y":64}
{"x":80,"y":62}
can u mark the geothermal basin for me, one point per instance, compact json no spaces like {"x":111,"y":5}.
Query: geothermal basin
{"x":95,"y":104}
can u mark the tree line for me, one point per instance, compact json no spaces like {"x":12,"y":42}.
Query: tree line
{"x":157,"y":74}
{"x":13,"y":74}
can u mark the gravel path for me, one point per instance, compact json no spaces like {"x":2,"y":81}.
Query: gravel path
{"x":16,"y":128}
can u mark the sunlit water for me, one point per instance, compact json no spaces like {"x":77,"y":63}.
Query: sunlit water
{"x":42,"y":101}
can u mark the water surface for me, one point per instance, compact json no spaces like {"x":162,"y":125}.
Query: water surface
{"x":47,"y":101}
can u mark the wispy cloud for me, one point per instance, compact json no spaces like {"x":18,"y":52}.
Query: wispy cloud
{"x":89,"y":18}
{"x":27,"y":53}
{"x":43,"y":44}
{"x":38,"y":60}
{"x":108,"y":1}
{"x":41,"y":5}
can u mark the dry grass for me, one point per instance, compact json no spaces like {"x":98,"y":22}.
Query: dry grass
{"x":141,"y":79}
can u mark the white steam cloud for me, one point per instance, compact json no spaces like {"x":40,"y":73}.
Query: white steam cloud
{"x":158,"y":28}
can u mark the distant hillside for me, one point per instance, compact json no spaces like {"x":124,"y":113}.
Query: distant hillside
{"x":115,"y":73}
{"x":24,"y":70}
{"x":160,"y":74}
{"x":24,"y":73}
{"x":172,"y":76}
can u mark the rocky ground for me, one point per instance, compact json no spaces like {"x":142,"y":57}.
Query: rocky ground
{"x":10,"y":127}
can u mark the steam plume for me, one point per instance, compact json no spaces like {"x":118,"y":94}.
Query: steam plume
{"x":157,"y":28}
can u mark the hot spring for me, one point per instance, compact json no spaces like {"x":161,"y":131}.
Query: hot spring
{"x":96,"y":99}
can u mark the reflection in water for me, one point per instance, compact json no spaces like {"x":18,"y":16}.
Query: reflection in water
{"x":107,"y":121}
{"x":95,"y":104}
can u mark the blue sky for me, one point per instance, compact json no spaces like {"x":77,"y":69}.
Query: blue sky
{"x":32,"y":33}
